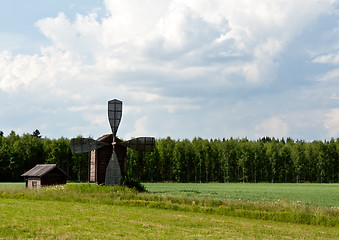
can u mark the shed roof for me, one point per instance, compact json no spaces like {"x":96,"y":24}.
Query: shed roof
{"x":40,"y":170}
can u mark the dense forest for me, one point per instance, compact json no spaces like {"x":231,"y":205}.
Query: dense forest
{"x":197,"y":160}
{"x":18,"y":154}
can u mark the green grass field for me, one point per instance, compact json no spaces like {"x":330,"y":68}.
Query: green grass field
{"x":12,"y":185}
{"x":325,"y":195}
{"x":67,"y":220}
{"x":167,"y":211}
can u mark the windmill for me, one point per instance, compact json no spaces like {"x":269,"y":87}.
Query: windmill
{"x":113,"y":170}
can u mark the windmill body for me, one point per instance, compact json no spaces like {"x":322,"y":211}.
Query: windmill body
{"x":98,"y":159}
{"x":102,"y":169}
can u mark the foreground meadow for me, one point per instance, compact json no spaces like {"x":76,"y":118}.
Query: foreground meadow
{"x":74,"y":220}
{"x":84,"y":211}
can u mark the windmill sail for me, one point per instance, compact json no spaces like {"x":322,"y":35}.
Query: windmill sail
{"x":113,"y":172}
{"x":114,"y":114}
{"x":143,"y":144}
{"x":82,"y":145}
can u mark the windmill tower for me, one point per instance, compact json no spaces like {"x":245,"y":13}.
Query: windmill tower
{"x":99,"y":166}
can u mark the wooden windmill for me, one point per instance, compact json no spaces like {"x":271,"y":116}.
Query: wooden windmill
{"x":113,"y":168}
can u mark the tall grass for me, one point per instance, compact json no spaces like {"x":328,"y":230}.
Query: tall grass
{"x":34,"y":219}
{"x":283,"y":211}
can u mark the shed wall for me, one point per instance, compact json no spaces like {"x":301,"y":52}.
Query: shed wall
{"x":34,"y":182}
{"x":54,"y":177}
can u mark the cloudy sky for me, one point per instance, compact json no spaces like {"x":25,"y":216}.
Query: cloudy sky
{"x":205,"y":68}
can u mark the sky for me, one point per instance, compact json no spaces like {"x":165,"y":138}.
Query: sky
{"x":184,"y":69}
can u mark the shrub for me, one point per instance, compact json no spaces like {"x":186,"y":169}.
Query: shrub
{"x":133,"y":183}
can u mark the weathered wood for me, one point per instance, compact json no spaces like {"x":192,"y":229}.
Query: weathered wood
{"x":82,"y":145}
{"x":142,"y":144}
{"x":114,"y":114}
{"x":92,"y":166}
{"x":113,"y":173}
{"x":103,"y":156}
{"x":44,"y":175}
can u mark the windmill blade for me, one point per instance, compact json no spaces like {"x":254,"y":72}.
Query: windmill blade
{"x":142,"y":144}
{"x":113,"y":172}
{"x":82,"y":145}
{"x":114,"y":114}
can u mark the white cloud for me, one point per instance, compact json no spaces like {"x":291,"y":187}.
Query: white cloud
{"x":334,"y":96}
{"x":273,"y":127}
{"x":140,"y":128}
{"x":17,"y":70}
{"x":173,"y":108}
{"x":332,"y":58}
{"x":87,"y":108}
{"x":131,"y":19}
{"x":98,"y":120}
{"x":332,"y":75}
{"x":133,"y":32}
{"x":331,"y":122}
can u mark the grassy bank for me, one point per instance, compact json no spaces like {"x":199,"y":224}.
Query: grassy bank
{"x":321,"y":195}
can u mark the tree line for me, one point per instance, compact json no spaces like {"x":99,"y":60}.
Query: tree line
{"x":198,"y":160}
{"x":237,"y":160}
{"x":19,"y":154}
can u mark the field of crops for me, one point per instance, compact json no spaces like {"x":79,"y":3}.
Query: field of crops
{"x":325,"y":195}
{"x":167,"y":211}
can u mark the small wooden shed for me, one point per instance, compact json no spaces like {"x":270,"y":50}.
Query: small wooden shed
{"x":44,"y":175}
